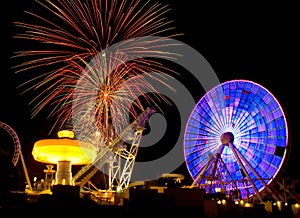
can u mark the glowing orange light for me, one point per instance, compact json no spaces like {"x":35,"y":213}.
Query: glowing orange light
{"x":64,"y":152}
{"x":51,"y":151}
{"x":65,"y":134}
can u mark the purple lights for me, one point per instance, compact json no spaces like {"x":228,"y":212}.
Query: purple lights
{"x":250,"y":159}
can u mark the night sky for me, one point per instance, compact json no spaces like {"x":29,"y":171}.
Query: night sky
{"x":248,"y":41}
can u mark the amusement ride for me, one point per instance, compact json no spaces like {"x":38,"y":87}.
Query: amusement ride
{"x":236,"y":140}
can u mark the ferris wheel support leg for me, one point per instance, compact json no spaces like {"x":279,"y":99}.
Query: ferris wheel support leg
{"x":275,"y":196}
{"x":213,"y":169}
{"x":218,"y":156}
{"x":282,"y":185}
{"x":237,"y":156}
{"x":200,"y":176}
{"x":227,"y":171}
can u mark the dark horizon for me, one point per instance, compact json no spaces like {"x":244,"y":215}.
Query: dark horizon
{"x":252,"y":42}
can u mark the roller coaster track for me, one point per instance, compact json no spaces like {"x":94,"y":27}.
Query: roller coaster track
{"x":89,"y":170}
{"x":17,"y":150}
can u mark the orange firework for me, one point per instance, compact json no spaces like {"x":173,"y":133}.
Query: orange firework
{"x":69,"y":56}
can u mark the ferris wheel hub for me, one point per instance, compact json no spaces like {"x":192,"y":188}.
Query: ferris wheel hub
{"x":227,"y":137}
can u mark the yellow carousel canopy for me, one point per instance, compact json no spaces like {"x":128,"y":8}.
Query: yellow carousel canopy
{"x":51,"y":151}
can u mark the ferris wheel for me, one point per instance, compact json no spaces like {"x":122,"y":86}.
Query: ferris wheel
{"x":236,"y":139}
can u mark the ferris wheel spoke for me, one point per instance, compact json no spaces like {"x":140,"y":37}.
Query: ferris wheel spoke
{"x":240,"y":159}
{"x":217,"y":120}
{"x":203,"y":121}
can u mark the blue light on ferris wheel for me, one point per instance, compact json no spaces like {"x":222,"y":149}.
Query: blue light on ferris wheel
{"x":236,"y":138}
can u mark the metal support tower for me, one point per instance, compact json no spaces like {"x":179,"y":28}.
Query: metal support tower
{"x":105,"y":155}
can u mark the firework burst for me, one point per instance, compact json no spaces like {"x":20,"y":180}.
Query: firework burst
{"x":70,"y":40}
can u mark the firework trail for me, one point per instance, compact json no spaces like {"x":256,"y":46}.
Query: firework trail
{"x":69,"y":35}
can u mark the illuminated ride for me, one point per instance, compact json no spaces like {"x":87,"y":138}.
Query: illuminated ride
{"x":17,"y":151}
{"x":236,"y":140}
{"x":64,"y":152}
{"x":119,"y":154}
